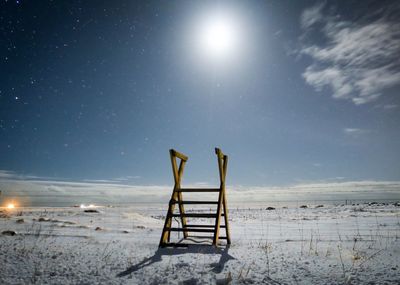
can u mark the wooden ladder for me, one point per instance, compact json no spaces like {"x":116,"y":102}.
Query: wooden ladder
{"x":176,"y":199}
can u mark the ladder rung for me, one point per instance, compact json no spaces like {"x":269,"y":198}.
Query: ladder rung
{"x":195,"y":202}
{"x":174,"y":244}
{"x":198,"y":190}
{"x":196,"y":215}
{"x":202,"y":226}
{"x":190,"y":230}
{"x":205,"y":237}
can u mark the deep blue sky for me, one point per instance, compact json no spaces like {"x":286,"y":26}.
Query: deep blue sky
{"x":102,"y":90}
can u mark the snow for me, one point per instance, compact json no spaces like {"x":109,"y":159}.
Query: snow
{"x":342,"y":244}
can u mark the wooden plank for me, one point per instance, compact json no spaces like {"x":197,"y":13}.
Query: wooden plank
{"x":179,"y":195}
{"x":174,"y":244}
{"x":219,"y":152}
{"x":225,"y":168}
{"x":165,"y":236}
{"x":220,"y":196}
{"x":227,"y":230}
{"x":190,"y":230}
{"x":195,"y":202}
{"x":177,"y":173}
{"x":202,"y":226}
{"x":199,"y":190}
{"x":224,"y":201}
{"x":196,"y":215}
{"x":180,"y":172}
{"x":218,"y":219}
{"x":222,"y":164}
{"x":182,"y":212}
{"x":174,"y":169}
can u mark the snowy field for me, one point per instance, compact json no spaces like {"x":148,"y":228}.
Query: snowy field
{"x":320,"y":244}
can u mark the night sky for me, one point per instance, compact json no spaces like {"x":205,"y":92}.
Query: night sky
{"x":303,"y":90}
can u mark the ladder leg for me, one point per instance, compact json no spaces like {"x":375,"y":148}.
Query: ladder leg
{"x":177,"y":173}
{"x":182,"y":212}
{"x":165,"y":236}
{"x":218,"y":219}
{"x":227,"y":230}
{"x":172,"y":208}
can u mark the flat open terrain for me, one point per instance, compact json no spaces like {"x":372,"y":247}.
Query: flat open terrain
{"x":351,"y":244}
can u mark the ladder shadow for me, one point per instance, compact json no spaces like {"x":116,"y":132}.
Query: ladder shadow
{"x":216,"y":267}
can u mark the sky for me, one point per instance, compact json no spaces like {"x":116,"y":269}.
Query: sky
{"x":293,"y":92}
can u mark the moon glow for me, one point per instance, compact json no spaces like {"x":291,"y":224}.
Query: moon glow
{"x":218,"y":36}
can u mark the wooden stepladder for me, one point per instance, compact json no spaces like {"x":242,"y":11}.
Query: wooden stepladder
{"x":177,"y":199}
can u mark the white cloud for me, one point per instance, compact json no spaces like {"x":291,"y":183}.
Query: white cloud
{"x":36,"y":191}
{"x":42,"y":192}
{"x":390,"y":106}
{"x":355,"y":132}
{"x":358,"y":60}
{"x":320,"y":191}
{"x":6,"y":174}
{"x":312,"y":15}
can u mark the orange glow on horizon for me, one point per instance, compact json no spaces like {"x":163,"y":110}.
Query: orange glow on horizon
{"x":10,"y":206}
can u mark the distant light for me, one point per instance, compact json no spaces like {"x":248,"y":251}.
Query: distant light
{"x":83,"y":206}
{"x":10,"y":206}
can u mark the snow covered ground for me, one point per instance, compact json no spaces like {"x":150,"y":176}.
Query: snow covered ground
{"x":344,"y":244}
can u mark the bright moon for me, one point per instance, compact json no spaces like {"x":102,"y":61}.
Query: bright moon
{"x":218,"y":36}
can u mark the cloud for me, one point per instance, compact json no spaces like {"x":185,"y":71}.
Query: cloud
{"x":390,"y":106}
{"x":43,"y":192}
{"x":355,"y":132}
{"x":6,"y":174}
{"x":312,"y":15}
{"x":357,"y":60}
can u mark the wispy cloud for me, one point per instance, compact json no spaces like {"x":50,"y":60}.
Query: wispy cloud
{"x":325,"y":190}
{"x":6,"y":174}
{"x":359,"y":59}
{"x":312,"y":15}
{"x":390,"y":106}
{"x":355,"y":132}
{"x":38,"y":191}
{"x":43,"y":192}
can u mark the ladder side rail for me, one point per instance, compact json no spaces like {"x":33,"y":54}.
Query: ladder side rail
{"x":220,"y":196}
{"x":180,"y":198}
{"x":165,"y":235}
{"x":225,"y":202}
{"x":177,"y":173}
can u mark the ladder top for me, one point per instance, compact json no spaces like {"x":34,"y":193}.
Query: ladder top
{"x":178,"y":154}
{"x":219,"y":152}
